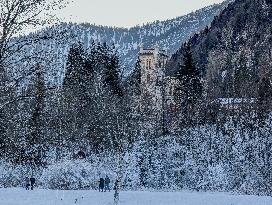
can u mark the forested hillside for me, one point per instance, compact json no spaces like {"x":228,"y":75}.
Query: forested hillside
{"x":234,"y":53}
{"x":169,"y":34}
{"x":232,"y":60}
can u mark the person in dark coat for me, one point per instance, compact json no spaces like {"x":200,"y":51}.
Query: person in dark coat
{"x":32,"y":182}
{"x":107,"y":183}
{"x":27,"y":183}
{"x":101,"y":184}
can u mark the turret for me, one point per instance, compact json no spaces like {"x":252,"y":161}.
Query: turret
{"x":152,"y":62}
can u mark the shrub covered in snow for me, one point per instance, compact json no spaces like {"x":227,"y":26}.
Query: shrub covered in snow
{"x":202,"y":158}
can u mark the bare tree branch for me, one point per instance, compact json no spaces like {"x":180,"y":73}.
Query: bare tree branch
{"x":17,"y":99}
{"x":18,"y":15}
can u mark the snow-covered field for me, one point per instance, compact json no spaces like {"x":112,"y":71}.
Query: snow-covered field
{"x":50,"y":197}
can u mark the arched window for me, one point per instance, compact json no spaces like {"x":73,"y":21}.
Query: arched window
{"x":147,"y":62}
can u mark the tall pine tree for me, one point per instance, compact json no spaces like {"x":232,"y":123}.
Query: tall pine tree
{"x":112,"y":78}
{"x":190,"y":88}
{"x":135,"y":79}
{"x":74,"y":66}
{"x":35,"y":150}
{"x":264,"y":97}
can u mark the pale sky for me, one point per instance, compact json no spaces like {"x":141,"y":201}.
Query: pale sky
{"x":128,"y":13}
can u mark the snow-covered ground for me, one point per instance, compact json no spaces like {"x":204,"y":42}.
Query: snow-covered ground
{"x":50,"y":197}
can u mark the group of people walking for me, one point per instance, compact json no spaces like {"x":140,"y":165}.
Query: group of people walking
{"x":29,"y":183}
{"x":104,"y":184}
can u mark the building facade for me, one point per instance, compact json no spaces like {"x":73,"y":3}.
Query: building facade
{"x":157,"y":90}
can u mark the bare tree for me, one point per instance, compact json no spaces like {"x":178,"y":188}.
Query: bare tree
{"x":16,"y":16}
{"x":122,"y":150}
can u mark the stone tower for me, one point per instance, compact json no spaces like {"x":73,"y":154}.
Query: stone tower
{"x":152,"y":62}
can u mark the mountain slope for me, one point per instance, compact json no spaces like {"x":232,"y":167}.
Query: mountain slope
{"x":169,"y":34}
{"x":235,"y":53}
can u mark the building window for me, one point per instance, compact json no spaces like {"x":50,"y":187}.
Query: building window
{"x":148,"y":78}
{"x":147,"y":62}
{"x":150,"y":64}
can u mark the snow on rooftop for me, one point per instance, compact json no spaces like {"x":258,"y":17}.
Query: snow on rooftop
{"x":226,"y":101}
